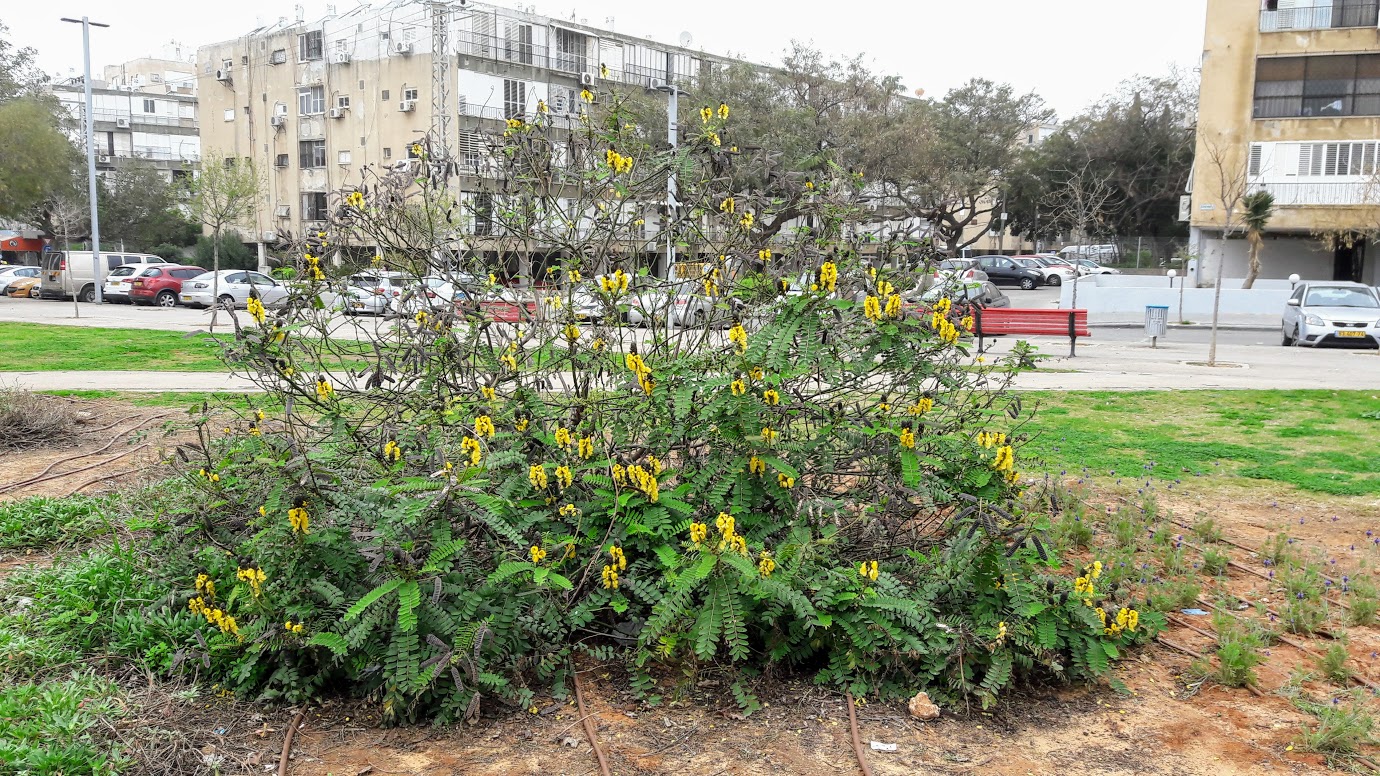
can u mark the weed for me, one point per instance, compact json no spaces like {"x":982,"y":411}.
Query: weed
{"x":1171,"y":595}
{"x":1173,"y":560}
{"x":41,"y":522}
{"x":1215,"y":562}
{"x":1333,"y":665}
{"x":1303,"y":615}
{"x":1362,"y":599}
{"x":1125,"y":530}
{"x":1238,"y":652}
{"x":1343,"y":728}
{"x":1206,"y":530}
{"x":1074,"y":530}
{"x":54,"y":727}
{"x":1278,"y":550}
{"x":1303,"y":581}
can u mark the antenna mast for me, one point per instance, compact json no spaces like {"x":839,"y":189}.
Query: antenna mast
{"x":440,"y":74}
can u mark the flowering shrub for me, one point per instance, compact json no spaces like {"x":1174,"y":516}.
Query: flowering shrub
{"x":789,"y":463}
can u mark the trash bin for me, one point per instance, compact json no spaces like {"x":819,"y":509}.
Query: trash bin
{"x":1156,"y":321}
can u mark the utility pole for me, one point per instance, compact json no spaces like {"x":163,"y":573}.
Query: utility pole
{"x":86,"y":25}
{"x":440,"y":75}
{"x":673,"y":94}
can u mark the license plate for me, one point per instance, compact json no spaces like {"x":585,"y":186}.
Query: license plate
{"x":1351,"y":334}
{"x":186,"y":298}
{"x":359,"y":305}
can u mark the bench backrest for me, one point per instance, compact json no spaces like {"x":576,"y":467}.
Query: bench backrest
{"x":1001,"y":320}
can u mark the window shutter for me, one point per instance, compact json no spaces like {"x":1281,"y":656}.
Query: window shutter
{"x":1253,"y":167}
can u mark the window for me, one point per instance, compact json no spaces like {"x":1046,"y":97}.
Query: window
{"x":410,"y":94}
{"x":572,"y":51}
{"x":342,"y":101}
{"x":1331,"y":159}
{"x":483,"y":213}
{"x":1335,"y":85}
{"x":309,"y":46}
{"x":1253,"y":165}
{"x":281,"y":160}
{"x":186,"y":273}
{"x":229,"y":162}
{"x":229,"y":114}
{"x":385,"y":95}
{"x":314,"y":206}
{"x":514,"y":99}
{"x":517,"y":47}
{"x":150,"y":106}
{"x":412,"y":149}
{"x":562,"y":100}
{"x":311,"y":100}
{"x":311,"y":153}
{"x":471,"y":149}
{"x":342,"y":157}
{"x":387,"y":153}
{"x":278,"y":57}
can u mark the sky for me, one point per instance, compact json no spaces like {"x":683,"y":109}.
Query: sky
{"x":1070,"y":52}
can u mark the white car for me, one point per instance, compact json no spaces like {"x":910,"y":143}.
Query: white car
{"x":234,"y":289}
{"x":115,"y":289}
{"x":1332,"y":313}
{"x":1090,"y":267}
{"x":1055,"y":274}
{"x":15,"y":272}
{"x":371,"y":293}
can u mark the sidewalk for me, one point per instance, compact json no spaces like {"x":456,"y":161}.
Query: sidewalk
{"x":1235,"y":322}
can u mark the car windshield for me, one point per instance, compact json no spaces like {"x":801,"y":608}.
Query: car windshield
{"x":122,"y":271}
{"x":1340,"y":296}
{"x":953,"y":264}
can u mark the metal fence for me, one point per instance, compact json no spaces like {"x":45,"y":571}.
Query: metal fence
{"x":1322,"y":16}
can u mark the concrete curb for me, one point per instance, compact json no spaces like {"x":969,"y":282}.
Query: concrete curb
{"x":1198,"y":326}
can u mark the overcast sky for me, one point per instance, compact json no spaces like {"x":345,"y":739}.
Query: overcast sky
{"x":1069,"y":51}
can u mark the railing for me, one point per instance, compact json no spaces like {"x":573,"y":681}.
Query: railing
{"x":1305,"y":194}
{"x":551,"y":118}
{"x":1322,"y":16}
{"x":143,"y":118}
{"x":475,"y":44}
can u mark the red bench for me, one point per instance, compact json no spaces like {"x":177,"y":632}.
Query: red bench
{"x":1055,"y":323}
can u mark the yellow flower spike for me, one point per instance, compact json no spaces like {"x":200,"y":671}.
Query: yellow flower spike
{"x":587,"y":95}
{"x":610,"y":576}
{"x":255,"y":308}
{"x":392,"y":451}
{"x":723,"y":110}
{"x":829,"y":276}
{"x":416,"y":149}
{"x":872,"y":308}
{"x":706,"y":114}
{"x":756,"y":373}
{"x":868,"y":570}
{"x":765,"y":564}
{"x":728,"y":205}
{"x":488,"y":393}
{"x":654,"y":464}
{"x":907,"y":438}
{"x":470,"y":446}
{"x":564,"y":476}
{"x":756,"y":466}
{"x":586,"y":449}
{"x":893,"y":306}
{"x":324,"y":391}
{"x":738,"y":336}
{"x":263,"y":512}
{"x":747,"y":220}
{"x":620,"y":561}
{"x":724,"y":522}
{"x":484,"y":426}
{"x":563,"y":437}
{"x":1001,"y":631}
{"x":572,"y":332}
{"x":569,"y":510}
{"x":537,"y":554}
{"x":923,"y":405}
{"x":1096,"y":569}
{"x":520,"y":425}
{"x":355,"y":199}
{"x":299,"y":520}
{"x":769,"y":435}
{"x":771,"y":398}
{"x":764,"y":254}
{"x":698,"y":532}
{"x":541,"y":107}
{"x":573,"y":275}
{"x":536,"y":473}
{"x":785,"y":481}
{"x":619,"y":474}
{"x":493,"y":279}
{"x":738,"y":544}
{"x":597,"y":345}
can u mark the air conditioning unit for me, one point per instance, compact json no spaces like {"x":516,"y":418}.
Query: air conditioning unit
{"x":277,"y":121}
{"x":281,"y":211}
{"x":586,"y":79}
{"x":223,"y":76}
{"x":402,"y":47}
{"x":342,"y":57}
{"x":102,"y":159}
{"x":336,"y":113}
{"x":269,"y":237}
{"x":122,"y":123}
{"x":655,"y":83}
{"x":407,"y":106}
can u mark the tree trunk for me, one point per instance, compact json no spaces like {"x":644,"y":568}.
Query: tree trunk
{"x":215,"y":277}
{"x":1217,"y":301}
{"x":1254,"y":254}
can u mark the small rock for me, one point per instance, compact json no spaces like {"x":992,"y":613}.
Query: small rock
{"x":570,"y":741}
{"x":921,"y":707}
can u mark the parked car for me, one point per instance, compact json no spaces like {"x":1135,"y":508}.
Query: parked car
{"x":235,"y":288}
{"x":1054,"y":274}
{"x":371,"y":293}
{"x":1090,"y":267}
{"x":438,"y":294}
{"x":649,"y":303}
{"x":12,"y":272}
{"x":981,"y":293}
{"x":115,"y":290}
{"x":1332,"y":313}
{"x":957,"y":271}
{"x":161,"y":285}
{"x":1097,"y":253}
{"x":69,"y":272}
{"x":24,"y":287}
{"x":1004,"y":269}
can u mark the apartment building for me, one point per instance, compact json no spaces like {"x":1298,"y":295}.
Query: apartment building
{"x":1290,"y":103}
{"x":144,"y":109}
{"x":315,"y":103}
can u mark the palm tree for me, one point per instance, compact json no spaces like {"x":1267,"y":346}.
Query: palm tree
{"x":1258,"y":207}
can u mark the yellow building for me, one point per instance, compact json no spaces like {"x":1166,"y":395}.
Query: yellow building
{"x":315,"y":104}
{"x":1290,"y":104}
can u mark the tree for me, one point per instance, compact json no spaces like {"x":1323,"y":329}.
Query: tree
{"x":1140,"y":136}
{"x":37,"y":157}
{"x":1257,"y":209}
{"x":139,"y":209}
{"x":1082,"y":204}
{"x":20,"y":75}
{"x":223,"y":193}
{"x":950,"y":158}
{"x":1231,"y":182}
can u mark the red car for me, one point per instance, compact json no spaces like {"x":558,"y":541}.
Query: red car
{"x":161,"y":285}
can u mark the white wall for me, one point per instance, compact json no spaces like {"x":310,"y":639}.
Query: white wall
{"x":1280,"y":257}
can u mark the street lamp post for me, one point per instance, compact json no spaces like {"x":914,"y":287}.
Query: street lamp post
{"x":673,"y":94}
{"x":86,"y":25}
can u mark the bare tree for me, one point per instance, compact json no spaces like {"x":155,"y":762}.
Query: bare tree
{"x":68,"y":214}
{"x":222,"y":194}
{"x":1082,"y":203}
{"x":1232,"y":185}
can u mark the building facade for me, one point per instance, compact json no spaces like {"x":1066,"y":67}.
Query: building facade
{"x":316,"y":103}
{"x":145,"y":110}
{"x":1289,"y":104}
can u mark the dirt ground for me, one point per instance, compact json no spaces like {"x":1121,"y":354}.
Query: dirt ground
{"x":1166,"y":725}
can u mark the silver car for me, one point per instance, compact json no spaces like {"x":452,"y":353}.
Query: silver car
{"x":1332,"y":313}
{"x":233,"y":290}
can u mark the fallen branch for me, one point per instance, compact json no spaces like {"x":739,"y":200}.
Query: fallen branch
{"x":287,"y":743}
{"x":857,"y":740}
{"x":589,"y":727}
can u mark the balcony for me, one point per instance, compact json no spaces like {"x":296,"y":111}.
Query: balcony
{"x":1350,"y":193}
{"x":515,"y":51}
{"x":1320,"y":15}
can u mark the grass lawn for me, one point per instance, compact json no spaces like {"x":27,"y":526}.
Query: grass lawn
{"x":32,"y":347}
{"x":1320,"y":441}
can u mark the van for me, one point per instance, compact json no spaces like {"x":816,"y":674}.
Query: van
{"x":69,"y":272}
{"x":1099,"y":253}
